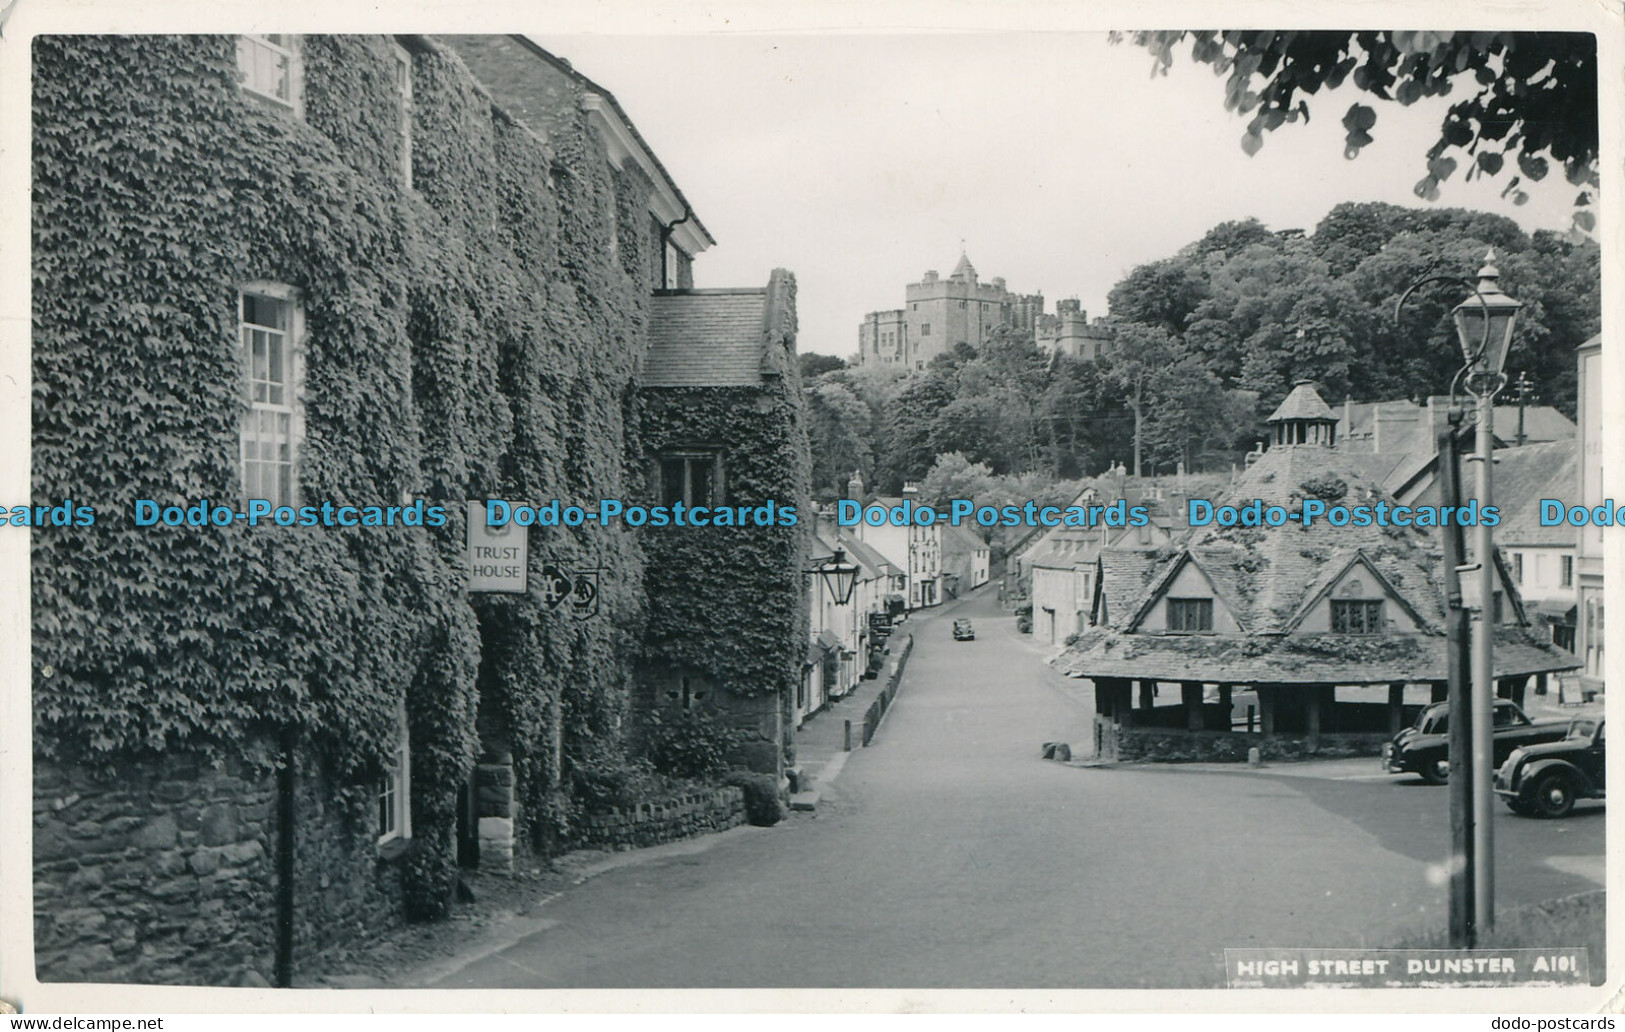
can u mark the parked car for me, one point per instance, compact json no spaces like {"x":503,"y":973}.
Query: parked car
{"x":1424,"y":747}
{"x":963,"y":631}
{"x":1545,"y":780}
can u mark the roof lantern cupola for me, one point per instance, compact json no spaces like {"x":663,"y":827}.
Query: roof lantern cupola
{"x":1304,"y":418}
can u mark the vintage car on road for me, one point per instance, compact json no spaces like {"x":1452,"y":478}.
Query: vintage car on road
{"x":963,"y":631}
{"x":1424,"y":747}
{"x":1545,"y":780}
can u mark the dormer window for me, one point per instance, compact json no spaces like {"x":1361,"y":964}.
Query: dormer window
{"x":1190,"y":615}
{"x":1357,"y":616}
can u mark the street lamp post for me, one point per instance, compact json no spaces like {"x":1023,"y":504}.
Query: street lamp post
{"x":1484,"y":325}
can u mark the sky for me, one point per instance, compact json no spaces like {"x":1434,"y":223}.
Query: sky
{"x":859,"y":161}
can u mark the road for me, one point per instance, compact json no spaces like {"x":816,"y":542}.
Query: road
{"x":948,"y":854}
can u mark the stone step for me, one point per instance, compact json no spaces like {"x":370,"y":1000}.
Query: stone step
{"x":805,"y":800}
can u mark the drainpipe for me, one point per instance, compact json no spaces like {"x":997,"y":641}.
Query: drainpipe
{"x":284,"y":862}
{"x":665,"y":239}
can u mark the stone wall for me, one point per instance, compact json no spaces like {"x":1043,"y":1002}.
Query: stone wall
{"x":1173,"y":745}
{"x":160,"y":873}
{"x":665,"y":820}
{"x":346,"y":888}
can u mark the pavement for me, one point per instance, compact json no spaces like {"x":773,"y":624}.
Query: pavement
{"x":820,"y":741}
{"x":949,"y":854}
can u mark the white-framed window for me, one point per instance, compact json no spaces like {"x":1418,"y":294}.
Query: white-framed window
{"x":269,"y":327}
{"x":269,"y":69}
{"x":1566,"y":572}
{"x":691,"y":477}
{"x":403,"y":89}
{"x":395,"y":791}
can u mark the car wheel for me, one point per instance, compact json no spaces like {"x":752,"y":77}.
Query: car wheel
{"x":1553,"y":795}
{"x":1436,"y":772}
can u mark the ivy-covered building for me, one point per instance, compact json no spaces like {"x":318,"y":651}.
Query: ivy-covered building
{"x":1294,"y":639}
{"x":724,"y":429}
{"x":371,"y":271}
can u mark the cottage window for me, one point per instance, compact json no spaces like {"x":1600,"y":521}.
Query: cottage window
{"x":1190,"y":615}
{"x":268,"y":68}
{"x":1566,"y":572}
{"x":925,"y":329}
{"x":686,"y":694}
{"x":1356,"y":616}
{"x":1517,"y":567}
{"x":693,"y":478}
{"x":395,"y":791}
{"x":268,"y":321}
{"x":403,"y":89}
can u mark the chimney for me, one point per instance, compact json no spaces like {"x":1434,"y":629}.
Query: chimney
{"x":911,"y":488}
{"x":854,"y":487}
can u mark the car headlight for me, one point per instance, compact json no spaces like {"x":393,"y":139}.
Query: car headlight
{"x":1511,"y":765}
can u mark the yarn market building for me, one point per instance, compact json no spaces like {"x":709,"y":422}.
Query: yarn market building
{"x":1321,"y":640}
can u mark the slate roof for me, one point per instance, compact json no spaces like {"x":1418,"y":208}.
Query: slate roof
{"x":1268,"y":576}
{"x":1303,"y":403}
{"x":1296,"y":658}
{"x":961,"y":539}
{"x":862,"y":553}
{"x":706,"y":338}
{"x":1125,"y":575}
{"x":1541,"y":423}
{"x":1523,"y":476}
{"x":1065,"y":548}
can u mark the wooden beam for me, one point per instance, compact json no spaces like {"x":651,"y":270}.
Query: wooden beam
{"x":1514,"y":688}
{"x":1190,"y":693}
{"x":1396,"y":707}
{"x":1226,"y":706}
{"x":1316,"y":695}
{"x":1441,"y":691}
{"x":1148,"y":694}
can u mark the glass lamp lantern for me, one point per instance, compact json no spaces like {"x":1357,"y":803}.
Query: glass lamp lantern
{"x":1485,"y":321}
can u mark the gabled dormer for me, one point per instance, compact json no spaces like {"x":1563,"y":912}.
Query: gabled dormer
{"x":1186,"y":600}
{"x":1357,"y":599}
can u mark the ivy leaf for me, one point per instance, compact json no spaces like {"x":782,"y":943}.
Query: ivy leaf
{"x":1441,"y":169}
{"x":1359,"y":118}
{"x":1251,"y":141}
{"x":1490,"y":162}
{"x":1533,"y":167}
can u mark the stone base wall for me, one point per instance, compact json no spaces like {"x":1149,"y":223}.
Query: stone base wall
{"x":664,"y":820}
{"x":161,"y":873}
{"x":346,"y":888}
{"x":166,"y":872}
{"x":1169,"y":745}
